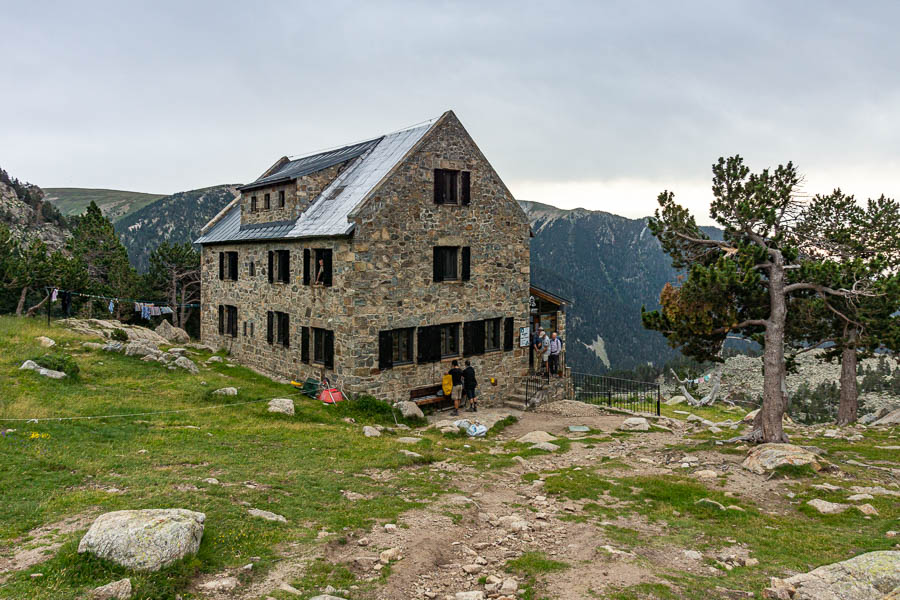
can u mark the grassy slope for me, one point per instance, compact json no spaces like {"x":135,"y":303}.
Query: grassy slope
{"x":299,"y":465}
{"x":114,"y":203}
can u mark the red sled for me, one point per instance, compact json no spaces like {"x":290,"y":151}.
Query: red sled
{"x":331,"y":396}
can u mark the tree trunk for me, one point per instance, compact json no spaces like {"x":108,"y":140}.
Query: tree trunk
{"x":849,"y":406}
{"x":173,"y":299}
{"x":30,"y":312}
{"x":767,"y":427}
{"x":21,"y":305}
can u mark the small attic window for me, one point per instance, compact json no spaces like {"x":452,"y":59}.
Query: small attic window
{"x":253,"y":206}
{"x":451,"y":187}
{"x":267,"y":202}
{"x":281,"y":199}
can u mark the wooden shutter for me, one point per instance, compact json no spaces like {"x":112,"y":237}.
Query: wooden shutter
{"x":423,"y":340}
{"x":304,"y":344}
{"x":468,"y":338}
{"x":271,"y":267}
{"x":284,"y":266}
{"x":466,"y":263}
{"x":286,"y":330}
{"x":478,"y":340}
{"x":234,"y":321}
{"x":221,"y":319}
{"x":306,"y":266}
{"x":438,"y":264}
{"x":326,"y":260}
{"x":385,"y":350}
{"x":329,"y":349}
{"x":439,"y":186}
{"x":233,"y":265}
{"x":221,"y":265}
{"x":508,"y":332}
{"x":270,"y":329}
{"x":464,"y":195}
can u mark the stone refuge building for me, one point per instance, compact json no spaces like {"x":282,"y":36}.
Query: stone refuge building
{"x":374,"y":264}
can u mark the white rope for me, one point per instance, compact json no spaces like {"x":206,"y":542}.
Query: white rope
{"x":142,"y":414}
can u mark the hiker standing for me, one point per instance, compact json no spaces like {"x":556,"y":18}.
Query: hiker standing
{"x":538,"y":346}
{"x":469,"y":386}
{"x":555,"y":350}
{"x":545,"y":354}
{"x":456,"y":392}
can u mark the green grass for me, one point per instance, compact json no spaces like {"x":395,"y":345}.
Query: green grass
{"x":529,"y":567}
{"x":293,"y":466}
{"x":114,"y":203}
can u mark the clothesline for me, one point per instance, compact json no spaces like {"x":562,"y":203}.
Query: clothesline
{"x":125,"y":300}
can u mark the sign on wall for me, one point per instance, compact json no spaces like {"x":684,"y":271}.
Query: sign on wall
{"x":524,"y":337}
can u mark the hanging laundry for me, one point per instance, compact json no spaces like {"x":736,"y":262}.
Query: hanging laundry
{"x":137,"y":307}
{"x":112,"y":307}
{"x":54,"y":294}
{"x":166,"y":310}
{"x":154,"y":311}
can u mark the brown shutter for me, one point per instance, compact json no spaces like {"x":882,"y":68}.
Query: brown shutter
{"x":221,"y":319}
{"x":478,"y":340}
{"x":270,"y":329}
{"x":221,"y":265}
{"x":234,"y":321}
{"x":329,"y":349}
{"x":466,"y":263}
{"x":438,"y":186}
{"x":464,"y":194}
{"x":438,"y":264}
{"x":304,"y":344}
{"x":326,"y":259}
{"x":385,"y":350}
{"x":306,"y":266}
{"x":286,"y":330}
{"x":508,"y":326}
{"x":271,"y":267}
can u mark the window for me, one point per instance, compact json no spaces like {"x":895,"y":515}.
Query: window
{"x":228,"y":265}
{"x":245,"y":328}
{"x":447,"y":263}
{"x":395,"y":347}
{"x":449,"y":340}
{"x":253,"y":206}
{"x":228,"y":321}
{"x":492,"y":334}
{"x":304,"y":344}
{"x":451,"y":187}
{"x":323,"y":347}
{"x":251,"y":328}
{"x":281,"y":199}
{"x":323,"y":266}
{"x":279,"y":266}
{"x":252,"y":269}
{"x":266,"y":202}
{"x":278,"y":328}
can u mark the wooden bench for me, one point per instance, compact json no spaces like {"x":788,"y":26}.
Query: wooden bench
{"x":427,"y":395}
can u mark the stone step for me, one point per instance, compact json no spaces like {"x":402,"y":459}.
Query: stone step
{"x":517,"y":404}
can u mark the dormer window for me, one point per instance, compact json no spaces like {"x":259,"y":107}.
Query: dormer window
{"x":451,"y":187}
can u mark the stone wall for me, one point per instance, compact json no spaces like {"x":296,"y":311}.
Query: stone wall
{"x":383,"y":278}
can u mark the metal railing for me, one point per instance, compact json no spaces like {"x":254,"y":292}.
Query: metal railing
{"x":639,"y":396}
{"x":534,"y":385}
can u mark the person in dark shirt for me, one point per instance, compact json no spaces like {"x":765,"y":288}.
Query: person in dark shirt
{"x":456,"y":393}
{"x":469,"y":386}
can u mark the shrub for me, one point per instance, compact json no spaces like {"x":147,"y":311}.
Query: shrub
{"x":59,"y":362}
{"x":119,"y":335}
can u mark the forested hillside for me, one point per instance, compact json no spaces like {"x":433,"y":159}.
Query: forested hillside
{"x":175,"y":219}
{"x":114,"y":204}
{"x":609,"y":266}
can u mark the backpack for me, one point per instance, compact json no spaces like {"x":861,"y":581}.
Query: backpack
{"x":447,"y":384}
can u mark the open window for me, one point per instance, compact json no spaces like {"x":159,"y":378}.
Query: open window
{"x":452,"y":187}
{"x":228,"y":320}
{"x":281,"y":199}
{"x":452,"y":263}
{"x":449,"y":340}
{"x":278,"y":328}
{"x":323,"y":267}
{"x":279,"y":266}
{"x":253,"y":205}
{"x":323,"y":347}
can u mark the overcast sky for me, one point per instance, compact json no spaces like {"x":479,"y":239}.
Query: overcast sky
{"x":599,"y":104}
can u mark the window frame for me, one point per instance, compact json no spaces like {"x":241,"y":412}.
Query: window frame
{"x":281,"y":200}
{"x":231,"y":270}
{"x":321,"y":355}
{"x":442,"y":260}
{"x":452,"y":187}
{"x":253,"y":206}
{"x":496,"y":324}
{"x":396,"y":336}
{"x":327,"y":256}
{"x":445,"y":329}
{"x":267,"y":201}
{"x":282,"y":266}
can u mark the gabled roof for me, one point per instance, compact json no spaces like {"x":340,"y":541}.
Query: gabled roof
{"x":328,"y":213}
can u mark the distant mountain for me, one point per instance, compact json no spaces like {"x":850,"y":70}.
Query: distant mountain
{"x":176,"y":219}
{"x":24,"y":209}
{"x":114,"y":204}
{"x":608,"y":266}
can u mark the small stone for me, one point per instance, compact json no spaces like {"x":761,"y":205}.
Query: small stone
{"x":546,"y":446}
{"x":186,"y":364}
{"x":692,"y":555}
{"x":283,"y":406}
{"x":370,"y":431}
{"x":710,"y":503}
{"x":116,"y":590}
{"x":211,"y":481}
{"x":220,"y":584}
{"x":860,"y":497}
{"x":476,"y":595}
{"x":389,"y":555}
{"x":536,"y":437}
{"x":45,"y":342}
{"x":214,"y":359}
{"x":409,"y":440}
{"x":510,"y":586}
{"x":352,"y":496}
{"x":706,"y":474}
{"x":268,"y":516}
{"x":635,"y":424}
{"x":390,"y":527}
{"x":867,"y":509}
{"x":472,"y":569}
{"x":364,"y":541}
{"x":226,"y":391}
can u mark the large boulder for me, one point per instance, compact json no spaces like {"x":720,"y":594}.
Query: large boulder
{"x":635,"y":424}
{"x":187,"y":364}
{"x":141,"y":349}
{"x":675,"y":400}
{"x":892,"y":418}
{"x":284,"y":406}
{"x":768,"y":457}
{"x":176,"y":335}
{"x":144,"y":540}
{"x":751,"y":416}
{"x":871,"y":576}
{"x":45,"y":342}
{"x":105,"y":327}
{"x":410,"y":410}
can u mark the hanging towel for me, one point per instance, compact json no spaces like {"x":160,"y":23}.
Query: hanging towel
{"x":137,"y":307}
{"x":111,"y":307}
{"x":53,"y":294}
